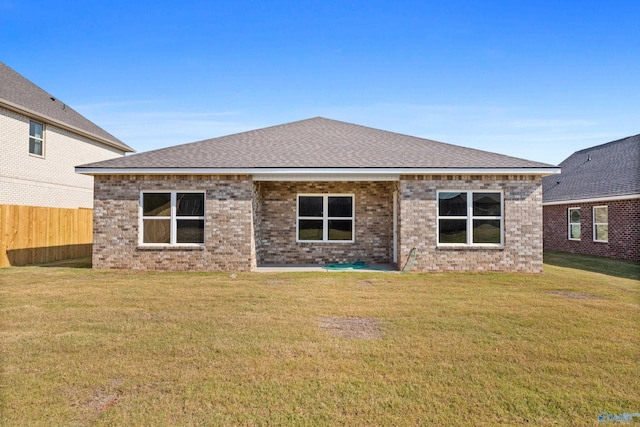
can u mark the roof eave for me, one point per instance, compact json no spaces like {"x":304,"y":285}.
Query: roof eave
{"x":542,"y":171}
{"x":33,"y":114}
{"x":595,"y":199}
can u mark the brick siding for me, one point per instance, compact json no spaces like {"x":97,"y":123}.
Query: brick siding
{"x":624,"y":230}
{"x":373,"y":240}
{"x":228,"y":224}
{"x":49,"y":180}
{"x":253,"y":223}
{"x":522,"y":251}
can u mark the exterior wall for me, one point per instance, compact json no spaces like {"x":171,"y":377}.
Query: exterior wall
{"x":228,"y":224}
{"x":50,"y":180}
{"x":373,"y":224}
{"x":624,"y":230}
{"x":522,"y":251}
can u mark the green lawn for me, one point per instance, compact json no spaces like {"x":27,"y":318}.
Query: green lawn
{"x":84,"y":347}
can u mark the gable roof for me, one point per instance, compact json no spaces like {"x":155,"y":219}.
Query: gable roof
{"x":312,"y":144}
{"x":19,"y":94}
{"x":607,"y":170}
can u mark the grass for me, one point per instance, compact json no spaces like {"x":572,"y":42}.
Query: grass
{"x":84,"y":347}
{"x":609,"y":266}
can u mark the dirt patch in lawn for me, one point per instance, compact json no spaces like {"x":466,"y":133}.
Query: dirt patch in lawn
{"x":575,"y":295}
{"x":352,"y":327}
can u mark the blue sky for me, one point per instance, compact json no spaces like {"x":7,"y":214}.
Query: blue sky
{"x":533,"y":79}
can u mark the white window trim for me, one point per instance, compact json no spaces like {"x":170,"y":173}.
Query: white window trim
{"x":470,"y":217}
{"x":569,"y":223}
{"x":599,"y":223}
{"x":173,"y":219}
{"x":325,"y":218}
{"x":39,"y":139}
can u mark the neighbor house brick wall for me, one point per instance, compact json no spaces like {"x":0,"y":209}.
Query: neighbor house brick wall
{"x":228,"y":224}
{"x":48,"y":180}
{"x":373,"y":223}
{"x":522,"y":251}
{"x":624,"y":229}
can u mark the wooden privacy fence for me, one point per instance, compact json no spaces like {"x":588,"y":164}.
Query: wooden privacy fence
{"x":34,"y":235}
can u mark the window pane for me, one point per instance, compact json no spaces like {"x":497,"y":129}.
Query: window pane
{"x":190,"y":204}
{"x":340,"y":229}
{"x":602,"y":233}
{"x":574,"y":215}
{"x":575,"y":231}
{"x":340,"y":206}
{"x":310,"y":206}
{"x":452,"y":204}
{"x":35,"y":129}
{"x":35,"y":146}
{"x":190,"y":231}
{"x":486,"y":204}
{"x":600,"y":215}
{"x":486,"y":231}
{"x":310,"y":229}
{"x":156,"y":204}
{"x":156,"y":231}
{"x":452,"y":231}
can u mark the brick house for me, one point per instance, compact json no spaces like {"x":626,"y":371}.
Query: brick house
{"x":42,"y":140}
{"x":317,"y":191}
{"x":593,"y":206}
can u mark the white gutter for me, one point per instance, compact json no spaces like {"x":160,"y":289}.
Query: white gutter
{"x":592,"y":200}
{"x":264,"y":173}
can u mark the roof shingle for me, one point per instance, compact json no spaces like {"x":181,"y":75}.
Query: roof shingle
{"x":317,"y":143}
{"x":17,"y":91}
{"x":611,"y":169}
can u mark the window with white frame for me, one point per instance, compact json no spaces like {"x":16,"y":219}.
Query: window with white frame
{"x":600,"y":224}
{"x":325,"y":218}
{"x":470,"y":218}
{"x":36,"y":138}
{"x":172,"y":218}
{"x":574,"y":223}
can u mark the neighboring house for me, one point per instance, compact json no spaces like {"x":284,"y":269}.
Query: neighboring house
{"x":593,"y":206}
{"x":318,"y":191}
{"x":42,"y":139}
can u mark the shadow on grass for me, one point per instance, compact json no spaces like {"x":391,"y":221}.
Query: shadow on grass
{"x":84,"y":262}
{"x":609,"y":266}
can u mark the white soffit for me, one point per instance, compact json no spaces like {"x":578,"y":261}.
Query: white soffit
{"x":284,"y":174}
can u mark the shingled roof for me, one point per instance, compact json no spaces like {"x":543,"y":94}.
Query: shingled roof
{"x":19,"y":94}
{"x":316,"y":143}
{"x":607,"y":170}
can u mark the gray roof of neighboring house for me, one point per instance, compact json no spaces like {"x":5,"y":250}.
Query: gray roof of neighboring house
{"x":18,"y":93}
{"x":316,"y":143}
{"x":611,"y":169}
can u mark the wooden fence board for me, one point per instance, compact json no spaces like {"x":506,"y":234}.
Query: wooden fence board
{"x":33,"y":235}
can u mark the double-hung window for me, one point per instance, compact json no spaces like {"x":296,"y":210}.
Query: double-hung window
{"x":600,"y":224}
{"x":574,"y":223}
{"x":172,"y":218}
{"x":470,"y":218}
{"x":325,"y":218}
{"x":36,"y":138}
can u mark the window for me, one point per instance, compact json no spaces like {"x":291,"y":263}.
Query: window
{"x":470,"y":218}
{"x":600,"y":224}
{"x":325,"y":218}
{"x":574,"y":223}
{"x":172,"y":218}
{"x":36,"y":138}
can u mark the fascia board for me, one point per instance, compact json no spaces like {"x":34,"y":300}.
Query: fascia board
{"x":317,"y":171}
